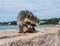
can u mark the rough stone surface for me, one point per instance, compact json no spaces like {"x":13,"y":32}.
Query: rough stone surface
{"x":44,"y":37}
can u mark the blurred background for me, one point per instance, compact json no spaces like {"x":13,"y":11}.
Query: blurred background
{"x":48,"y":11}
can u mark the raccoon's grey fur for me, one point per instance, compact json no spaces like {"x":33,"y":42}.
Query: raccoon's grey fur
{"x":24,"y":17}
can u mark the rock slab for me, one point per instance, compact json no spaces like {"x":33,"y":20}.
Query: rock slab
{"x":40,"y":38}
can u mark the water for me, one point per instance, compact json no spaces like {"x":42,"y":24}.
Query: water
{"x":6,"y":27}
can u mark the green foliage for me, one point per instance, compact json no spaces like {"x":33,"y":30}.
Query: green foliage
{"x":45,"y":21}
{"x":51,"y":21}
{"x":13,"y":23}
{"x":7,"y":23}
{"x":3,"y":23}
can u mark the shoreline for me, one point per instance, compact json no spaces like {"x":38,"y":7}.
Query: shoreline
{"x":15,"y":27}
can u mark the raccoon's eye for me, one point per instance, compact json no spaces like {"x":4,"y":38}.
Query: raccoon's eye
{"x":28,"y":16}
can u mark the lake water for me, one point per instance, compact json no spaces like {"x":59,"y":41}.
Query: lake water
{"x":6,"y":27}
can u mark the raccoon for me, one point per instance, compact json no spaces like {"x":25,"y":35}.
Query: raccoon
{"x":26,"y":18}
